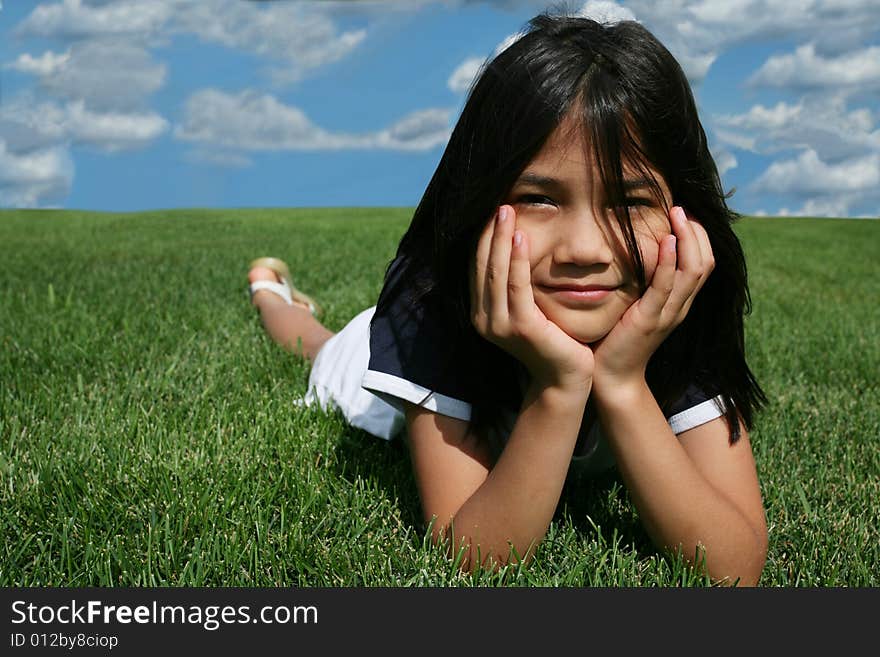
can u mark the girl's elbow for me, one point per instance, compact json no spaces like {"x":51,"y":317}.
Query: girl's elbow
{"x":459,"y":549}
{"x":749,"y":552}
{"x":472,"y":556}
{"x":758,"y":557}
{"x":750,"y":561}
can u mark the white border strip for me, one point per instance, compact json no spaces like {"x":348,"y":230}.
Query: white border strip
{"x":396,"y":387}
{"x":697,"y":415}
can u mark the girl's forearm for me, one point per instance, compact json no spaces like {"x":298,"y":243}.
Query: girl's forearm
{"x":679,"y":508}
{"x":513,"y":507}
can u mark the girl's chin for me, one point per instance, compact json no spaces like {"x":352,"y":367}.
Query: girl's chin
{"x":590,"y":340}
{"x":587,"y":337}
{"x":586,"y":328}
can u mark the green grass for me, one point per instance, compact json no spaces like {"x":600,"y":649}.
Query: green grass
{"x":148,"y":434}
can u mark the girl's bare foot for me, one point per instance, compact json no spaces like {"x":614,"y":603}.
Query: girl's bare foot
{"x":261,"y":296}
{"x":294,"y":327}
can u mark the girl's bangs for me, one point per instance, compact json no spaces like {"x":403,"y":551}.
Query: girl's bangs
{"x":614,"y":139}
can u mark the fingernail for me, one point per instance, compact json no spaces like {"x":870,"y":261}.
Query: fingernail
{"x":502,"y":214}
{"x":517,"y":238}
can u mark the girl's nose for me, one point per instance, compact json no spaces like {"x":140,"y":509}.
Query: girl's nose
{"x":583,"y":239}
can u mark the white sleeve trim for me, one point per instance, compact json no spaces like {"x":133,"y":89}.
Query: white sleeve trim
{"x":396,"y":388}
{"x":697,"y":415}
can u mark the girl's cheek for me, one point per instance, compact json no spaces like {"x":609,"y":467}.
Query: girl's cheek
{"x":537,"y":247}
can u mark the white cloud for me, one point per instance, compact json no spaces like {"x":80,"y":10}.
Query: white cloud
{"x":697,"y":32}
{"x":103,"y":74}
{"x":807,"y":174}
{"x":841,"y":189}
{"x":27,"y":126}
{"x":298,"y":37}
{"x":260,"y":122}
{"x":736,"y":139}
{"x":461,"y":79}
{"x":248,"y":121}
{"x":36,"y":178}
{"x":765,"y":118}
{"x":506,"y":42}
{"x":730,"y":11}
{"x":76,"y":19}
{"x":421,"y":130}
{"x":46,"y":64}
{"x":298,"y":34}
{"x":695,"y":65}
{"x":112,"y":131}
{"x":606,"y":11}
{"x":36,"y":168}
{"x":836,"y":206}
{"x":724,"y":160}
{"x":805,"y":69}
{"x":822,"y":123}
{"x":466,"y":73}
{"x":819,"y":135}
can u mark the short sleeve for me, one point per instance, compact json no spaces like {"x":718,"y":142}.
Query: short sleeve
{"x":695,"y":407}
{"x":412,"y":352}
{"x":593,"y":455}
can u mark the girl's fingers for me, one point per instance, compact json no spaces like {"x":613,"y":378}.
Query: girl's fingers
{"x":690,"y":260}
{"x":520,"y":299}
{"x":705,"y":247}
{"x":498,"y":266}
{"x":479,"y":290}
{"x":501,"y":287}
{"x":657,"y":294}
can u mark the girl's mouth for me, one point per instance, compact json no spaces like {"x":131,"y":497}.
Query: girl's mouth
{"x":579,"y":293}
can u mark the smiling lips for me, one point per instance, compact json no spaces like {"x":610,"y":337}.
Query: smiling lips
{"x":579,"y":293}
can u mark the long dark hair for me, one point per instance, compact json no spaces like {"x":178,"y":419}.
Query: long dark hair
{"x":637,"y":109}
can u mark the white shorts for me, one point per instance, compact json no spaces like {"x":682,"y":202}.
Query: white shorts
{"x":335,"y":381}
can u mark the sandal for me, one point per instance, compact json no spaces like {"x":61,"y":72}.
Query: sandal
{"x":284,"y":288}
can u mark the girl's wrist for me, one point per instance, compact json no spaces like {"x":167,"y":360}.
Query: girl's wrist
{"x":570,"y":381}
{"x":560,"y":395}
{"x":620,"y":394}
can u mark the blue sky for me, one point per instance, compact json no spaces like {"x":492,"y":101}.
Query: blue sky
{"x":130,"y":105}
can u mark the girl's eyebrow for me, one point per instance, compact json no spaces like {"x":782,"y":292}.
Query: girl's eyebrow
{"x":527,"y":178}
{"x":537,"y":180}
{"x":636,"y":183}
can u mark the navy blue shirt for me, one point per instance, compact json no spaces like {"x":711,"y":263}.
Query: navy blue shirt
{"x":412,"y":358}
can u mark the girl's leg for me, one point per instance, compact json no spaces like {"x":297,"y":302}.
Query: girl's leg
{"x":289,"y":326}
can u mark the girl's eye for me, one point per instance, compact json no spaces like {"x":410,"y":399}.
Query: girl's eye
{"x":536,"y":199}
{"x":635,"y":202}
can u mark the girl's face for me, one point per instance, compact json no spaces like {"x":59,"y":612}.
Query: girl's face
{"x":581,"y":273}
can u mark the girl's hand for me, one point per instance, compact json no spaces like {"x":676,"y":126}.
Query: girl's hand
{"x":503,"y":310}
{"x":622,"y":355}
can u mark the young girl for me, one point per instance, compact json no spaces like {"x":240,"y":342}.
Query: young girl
{"x":569,"y":296}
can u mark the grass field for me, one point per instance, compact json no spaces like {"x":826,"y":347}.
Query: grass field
{"x":148,"y":434}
